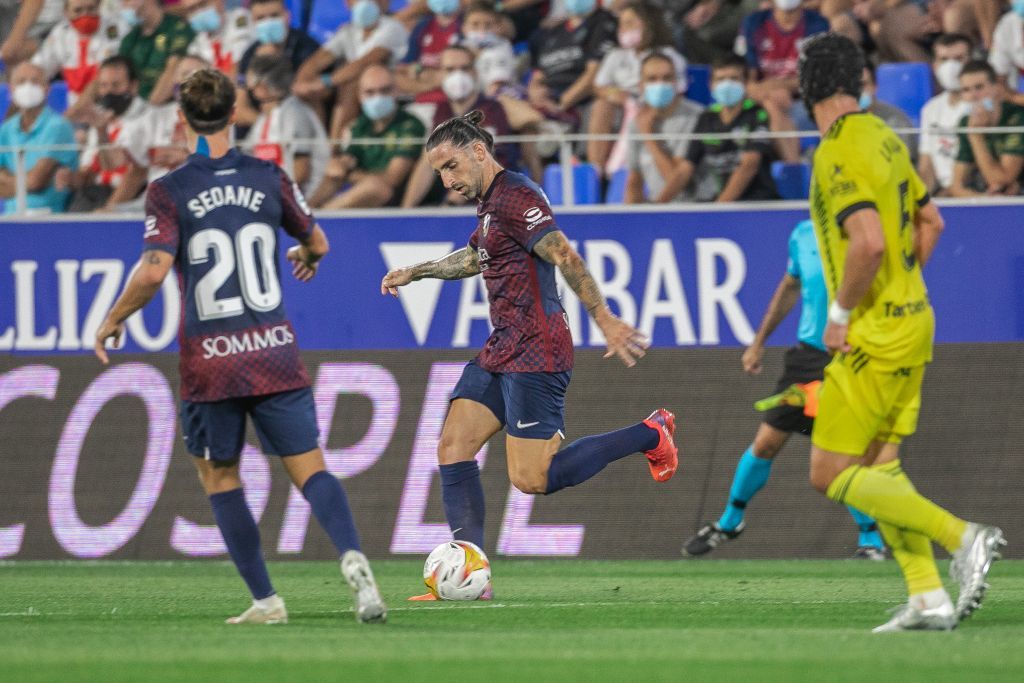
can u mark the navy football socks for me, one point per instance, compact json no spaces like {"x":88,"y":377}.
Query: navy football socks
{"x":242,"y":537}
{"x":751,"y":475}
{"x":463,"y":496}
{"x":330,"y":507}
{"x":585,"y":457}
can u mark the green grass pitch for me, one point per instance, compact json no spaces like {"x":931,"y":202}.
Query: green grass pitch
{"x":552,"y":620}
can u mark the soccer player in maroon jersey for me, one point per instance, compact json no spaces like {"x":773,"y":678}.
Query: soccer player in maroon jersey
{"x":216,"y":220}
{"x":518,"y":381}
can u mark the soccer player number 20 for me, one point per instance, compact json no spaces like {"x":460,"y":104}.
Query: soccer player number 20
{"x":253,"y":251}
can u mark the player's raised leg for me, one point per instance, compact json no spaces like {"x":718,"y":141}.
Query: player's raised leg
{"x":223,"y":485}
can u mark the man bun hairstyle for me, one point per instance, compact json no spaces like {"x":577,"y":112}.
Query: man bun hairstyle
{"x":829,"y":64}
{"x":207,"y":99}
{"x":461,"y":131}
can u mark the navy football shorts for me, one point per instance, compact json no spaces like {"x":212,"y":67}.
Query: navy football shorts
{"x":530,"y":405}
{"x":285,"y":424}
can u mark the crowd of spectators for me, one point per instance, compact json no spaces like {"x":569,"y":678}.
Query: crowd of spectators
{"x":346,"y":115}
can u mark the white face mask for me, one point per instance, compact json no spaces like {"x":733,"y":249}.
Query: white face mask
{"x":458,"y":85}
{"x":787,"y":5}
{"x":947,"y":73}
{"x":28,"y":95}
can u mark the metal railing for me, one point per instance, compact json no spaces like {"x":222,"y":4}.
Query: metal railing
{"x":565,"y":142}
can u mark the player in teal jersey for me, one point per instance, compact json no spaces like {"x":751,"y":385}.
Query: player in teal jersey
{"x":804,"y":363}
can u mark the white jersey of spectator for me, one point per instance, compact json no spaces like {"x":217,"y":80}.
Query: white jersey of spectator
{"x":76,"y":57}
{"x":165,"y":130}
{"x":128,"y":132}
{"x":682,"y":120}
{"x":291,"y":120}
{"x":939,"y":113}
{"x":1007,"y":54}
{"x":349,"y":42}
{"x":620,"y":68}
{"x":224,"y":49}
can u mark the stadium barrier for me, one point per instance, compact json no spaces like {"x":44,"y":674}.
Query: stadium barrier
{"x":93,"y":466}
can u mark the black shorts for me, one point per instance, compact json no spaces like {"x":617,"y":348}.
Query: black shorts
{"x":804,"y":363}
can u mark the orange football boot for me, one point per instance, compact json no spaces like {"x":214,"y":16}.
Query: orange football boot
{"x":663,"y":459}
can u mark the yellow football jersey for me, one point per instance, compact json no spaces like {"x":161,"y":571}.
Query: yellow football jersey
{"x":861,"y":164}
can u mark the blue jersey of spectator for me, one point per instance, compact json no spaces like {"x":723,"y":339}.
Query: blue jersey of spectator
{"x":805,"y":265}
{"x":49,"y":128}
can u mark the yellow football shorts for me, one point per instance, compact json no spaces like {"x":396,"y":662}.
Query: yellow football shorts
{"x":859,"y":404}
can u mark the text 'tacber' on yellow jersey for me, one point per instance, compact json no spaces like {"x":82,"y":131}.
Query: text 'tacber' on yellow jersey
{"x":862,"y":164}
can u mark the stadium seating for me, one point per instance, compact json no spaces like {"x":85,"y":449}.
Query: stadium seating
{"x":5,"y":99}
{"x":698,"y":79}
{"x":294,"y":7}
{"x":586,"y":185}
{"x":793,"y":181}
{"x":616,"y":192}
{"x":58,"y":98}
{"x":908,"y":85}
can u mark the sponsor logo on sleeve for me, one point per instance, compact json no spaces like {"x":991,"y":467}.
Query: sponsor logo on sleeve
{"x":535,"y":216}
{"x":300,"y":199}
{"x":486,"y":224}
{"x":151,"y":229}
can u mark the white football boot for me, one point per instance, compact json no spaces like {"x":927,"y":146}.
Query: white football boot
{"x":911,"y":617}
{"x":971,"y":564}
{"x":266,"y":611}
{"x":369,"y":606}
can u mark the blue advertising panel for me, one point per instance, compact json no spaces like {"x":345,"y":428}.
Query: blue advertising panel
{"x":688,"y":278}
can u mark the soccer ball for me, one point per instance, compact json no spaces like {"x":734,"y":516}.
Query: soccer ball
{"x":457,"y":570}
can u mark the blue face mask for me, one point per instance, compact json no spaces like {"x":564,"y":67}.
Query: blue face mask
{"x":865,"y":101}
{"x":659,"y":95}
{"x":378,"y":107}
{"x":987,"y":104}
{"x":205,"y":21}
{"x":365,"y":13}
{"x":129,"y":16}
{"x":579,"y":8}
{"x":271,"y":30}
{"x":1018,"y":7}
{"x":728,"y":93}
{"x":443,"y":7}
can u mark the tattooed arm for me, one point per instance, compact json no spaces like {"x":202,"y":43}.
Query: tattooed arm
{"x":143,"y":284}
{"x":457,"y":265}
{"x":623,"y":340}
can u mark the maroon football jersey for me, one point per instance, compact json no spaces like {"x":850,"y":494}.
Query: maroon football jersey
{"x":531,"y":331}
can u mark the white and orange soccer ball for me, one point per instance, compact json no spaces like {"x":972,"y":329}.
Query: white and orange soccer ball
{"x":457,"y":570}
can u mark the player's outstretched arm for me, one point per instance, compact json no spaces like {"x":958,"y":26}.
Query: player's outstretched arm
{"x":305,"y":257}
{"x":143,"y":284}
{"x":928,"y":225}
{"x":624,"y":341}
{"x":785,"y":297}
{"x":457,"y":265}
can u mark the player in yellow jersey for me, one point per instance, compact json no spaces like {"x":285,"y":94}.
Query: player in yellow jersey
{"x":876,"y":227}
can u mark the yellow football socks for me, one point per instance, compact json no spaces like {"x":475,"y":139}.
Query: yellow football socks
{"x":913,"y":551}
{"x":889,"y":497}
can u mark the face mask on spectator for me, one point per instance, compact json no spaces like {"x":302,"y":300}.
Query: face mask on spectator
{"x":986,"y":104}
{"x":205,"y":21}
{"x":271,"y":31}
{"x":865,"y":100}
{"x":116,"y":102}
{"x":659,"y":95}
{"x":87,"y":24}
{"x":479,"y":40}
{"x":378,"y":107}
{"x":728,"y":93}
{"x":458,"y":85}
{"x":365,"y":13}
{"x":787,"y":5}
{"x":129,"y":16}
{"x":1018,"y":7}
{"x":631,"y":39}
{"x":28,"y":95}
{"x":444,"y":7}
{"x":579,"y":8}
{"x":947,"y":73}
